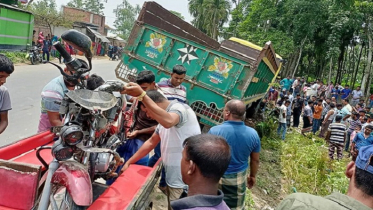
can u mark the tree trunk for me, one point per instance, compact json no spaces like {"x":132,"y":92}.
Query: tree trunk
{"x":330,"y":69}
{"x":340,"y":64}
{"x":357,"y":65}
{"x":366,"y":73}
{"x":299,"y":56}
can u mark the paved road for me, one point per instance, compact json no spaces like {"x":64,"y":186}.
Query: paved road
{"x":25,"y":86}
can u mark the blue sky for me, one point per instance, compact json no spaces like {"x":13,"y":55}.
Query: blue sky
{"x":176,"y":5}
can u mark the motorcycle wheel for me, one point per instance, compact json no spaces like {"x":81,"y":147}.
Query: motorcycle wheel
{"x":69,"y":204}
{"x":32,"y":59}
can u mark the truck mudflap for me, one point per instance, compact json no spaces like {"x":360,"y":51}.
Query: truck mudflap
{"x":131,"y":190}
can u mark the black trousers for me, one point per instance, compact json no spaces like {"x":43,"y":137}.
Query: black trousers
{"x":296,"y":117}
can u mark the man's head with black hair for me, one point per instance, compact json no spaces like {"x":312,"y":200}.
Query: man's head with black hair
{"x":234,"y":110}
{"x":360,"y":174}
{"x":205,"y":158}
{"x":94,"y":81}
{"x":310,"y":102}
{"x":178,"y":75}
{"x":338,"y":118}
{"x":6,"y":68}
{"x":146,"y":80}
{"x":158,"y":98}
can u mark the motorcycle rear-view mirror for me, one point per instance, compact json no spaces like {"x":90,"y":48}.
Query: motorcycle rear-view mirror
{"x":79,"y":41}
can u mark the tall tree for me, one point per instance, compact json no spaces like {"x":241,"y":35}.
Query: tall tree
{"x":177,"y":14}
{"x":125,"y":15}
{"x":95,"y":6}
{"x":76,"y":4}
{"x":216,"y":15}
{"x":197,"y":11}
{"x":46,"y":13}
{"x":210,"y":15}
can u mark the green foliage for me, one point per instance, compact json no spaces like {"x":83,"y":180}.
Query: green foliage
{"x":76,"y":4}
{"x":306,"y":167}
{"x":177,"y":14}
{"x":125,"y":15}
{"x":46,"y":13}
{"x":210,"y":15}
{"x":16,"y":57}
{"x":95,"y":6}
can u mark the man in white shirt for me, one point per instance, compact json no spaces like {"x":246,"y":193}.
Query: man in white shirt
{"x":282,"y":119}
{"x":177,"y":121}
{"x":356,"y":96}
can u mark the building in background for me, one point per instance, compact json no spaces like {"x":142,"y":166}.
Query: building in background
{"x":16,"y":27}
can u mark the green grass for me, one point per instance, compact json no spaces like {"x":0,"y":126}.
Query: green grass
{"x":307,"y":168}
{"x":16,"y":57}
{"x":298,"y":164}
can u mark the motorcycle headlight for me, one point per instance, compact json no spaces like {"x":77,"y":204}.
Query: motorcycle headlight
{"x":72,"y":134}
{"x":62,"y":152}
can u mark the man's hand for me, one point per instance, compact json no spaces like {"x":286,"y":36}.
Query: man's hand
{"x":125,"y":167}
{"x":132,"y":89}
{"x":133,"y":134}
{"x":250,"y":182}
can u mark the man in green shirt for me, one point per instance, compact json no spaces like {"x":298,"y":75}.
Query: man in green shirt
{"x":359,"y":195}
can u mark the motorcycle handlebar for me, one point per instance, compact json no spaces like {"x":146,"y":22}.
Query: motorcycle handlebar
{"x":63,"y":52}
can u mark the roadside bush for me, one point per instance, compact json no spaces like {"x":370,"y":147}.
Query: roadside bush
{"x":306,"y":167}
{"x":16,"y":57}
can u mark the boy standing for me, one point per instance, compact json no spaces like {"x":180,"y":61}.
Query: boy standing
{"x":6,"y":68}
{"x":317,"y":116}
{"x":282,"y":120}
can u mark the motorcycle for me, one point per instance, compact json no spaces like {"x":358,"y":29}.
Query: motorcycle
{"x":92,"y":130}
{"x":35,"y":55}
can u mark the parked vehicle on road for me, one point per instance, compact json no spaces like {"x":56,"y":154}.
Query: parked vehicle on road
{"x":35,"y":55}
{"x":216,"y":73}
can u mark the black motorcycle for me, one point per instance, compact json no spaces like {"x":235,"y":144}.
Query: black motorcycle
{"x":35,"y":55}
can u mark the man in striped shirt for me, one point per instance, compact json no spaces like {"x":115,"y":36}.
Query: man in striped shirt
{"x":172,"y":88}
{"x":337,"y":137}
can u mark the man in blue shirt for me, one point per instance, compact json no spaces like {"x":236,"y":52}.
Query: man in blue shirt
{"x":361,"y":139}
{"x":286,"y":83}
{"x":345,"y":93}
{"x":46,"y":45}
{"x":244,"y":142}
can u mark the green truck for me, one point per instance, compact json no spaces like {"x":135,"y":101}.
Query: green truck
{"x":16,"y":28}
{"x":216,"y":72}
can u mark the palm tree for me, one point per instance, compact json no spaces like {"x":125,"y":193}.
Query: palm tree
{"x":196,"y":10}
{"x":216,"y":14}
{"x":209,"y":15}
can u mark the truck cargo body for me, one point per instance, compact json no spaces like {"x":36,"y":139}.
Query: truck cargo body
{"x":216,"y":72}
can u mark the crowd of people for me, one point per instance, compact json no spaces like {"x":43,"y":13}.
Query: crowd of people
{"x":336,"y":113}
